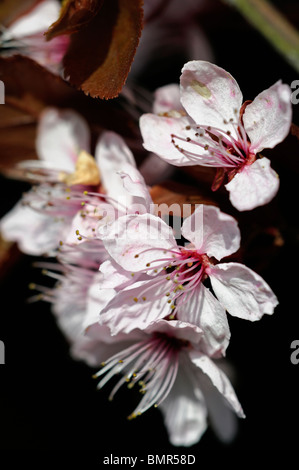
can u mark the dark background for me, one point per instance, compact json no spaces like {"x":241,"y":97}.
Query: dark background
{"x":49,"y":402}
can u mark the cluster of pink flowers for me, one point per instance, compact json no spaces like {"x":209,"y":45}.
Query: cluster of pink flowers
{"x":133,"y":297}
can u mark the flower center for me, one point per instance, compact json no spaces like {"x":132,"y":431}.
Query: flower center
{"x":181,"y":273}
{"x":215,"y":147}
{"x":152,"y":363}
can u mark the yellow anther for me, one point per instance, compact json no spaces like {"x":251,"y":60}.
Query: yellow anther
{"x":86,"y":171}
{"x":148,"y":264}
{"x":189,"y":264}
{"x":135,"y":299}
{"x":77,"y":232}
{"x":144,"y":298}
{"x":32,"y":286}
{"x":136,"y":256}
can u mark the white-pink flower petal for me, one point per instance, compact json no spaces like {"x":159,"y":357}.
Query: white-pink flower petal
{"x":212,"y":232}
{"x":184,"y":411}
{"x":157,"y":134}
{"x":135,"y":185}
{"x":255,"y":185}
{"x":218,"y":379}
{"x":35,"y":21}
{"x":167,"y":98}
{"x":268,"y":118}
{"x":241,"y":291}
{"x":61,"y":135}
{"x":35,"y":233}
{"x":136,"y":306}
{"x":204,"y":310}
{"x":115,"y":277}
{"x":111,"y":154}
{"x":135,"y":241}
{"x":210,"y":95}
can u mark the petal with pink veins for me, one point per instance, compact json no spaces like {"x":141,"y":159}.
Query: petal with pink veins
{"x":157,"y":132}
{"x":212,"y":232}
{"x":210,"y":95}
{"x":241,"y":291}
{"x":114,"y":276}
{"x":204,"y":310}
{"x":255,"y":185}
{"x":136,"y":306}
{"x":135,"y":242}
{"x":268,"y":118}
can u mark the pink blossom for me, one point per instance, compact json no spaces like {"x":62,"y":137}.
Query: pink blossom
{"x":81,"y":291}
{"x":26,"y":36}
{"x":216,"y":130}
{"x":43,"y":216}
{"x":173,"y":373}
{"x":124,"y":192}
{"x":178,"y":286}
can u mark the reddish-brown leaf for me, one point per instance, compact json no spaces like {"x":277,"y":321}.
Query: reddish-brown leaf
{"x":74,"y":14}
{"x":176,"y":194}
{"x":295,"y":130}
{"x":30,"y":87}
{"x":100,"y":55}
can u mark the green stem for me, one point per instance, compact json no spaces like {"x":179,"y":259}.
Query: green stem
{"x":273,"y":25}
